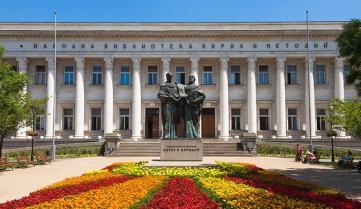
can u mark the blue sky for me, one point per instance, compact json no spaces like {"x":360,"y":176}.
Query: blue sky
{"x":178,"y":10}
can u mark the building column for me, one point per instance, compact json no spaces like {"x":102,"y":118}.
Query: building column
{"x":194,"y":68}
{"x":281,"y":99}
{"x":310,"y":99}
{"x":108,"y":99}
{"x":224,"y":101}
{"x":339,"y":84}
{"x":137,"y":101}
{"x":79,"y":100}
{"x":51,"y":98}
{"x":165,"y":68}
{"x":251,"y":96}
{"x":22,"y":66}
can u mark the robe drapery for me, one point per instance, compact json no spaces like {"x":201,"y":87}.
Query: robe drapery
{"x":169,"y":97}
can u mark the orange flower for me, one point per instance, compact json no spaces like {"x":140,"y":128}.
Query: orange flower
{"x":121,"y":195}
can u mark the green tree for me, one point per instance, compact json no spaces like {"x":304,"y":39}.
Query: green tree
{"x":347,"y":116}
{"x":16,"y":106}
{"x":349,"y":44}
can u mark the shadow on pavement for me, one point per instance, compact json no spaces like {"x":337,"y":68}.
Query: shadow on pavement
{"x":347,"y":181}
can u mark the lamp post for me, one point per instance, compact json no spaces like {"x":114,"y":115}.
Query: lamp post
{"x":33,"y":134}
{"x":332,"y":149}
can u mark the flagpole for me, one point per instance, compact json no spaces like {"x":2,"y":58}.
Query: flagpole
{"x":54,"y":105}
{"x":309,"y":83}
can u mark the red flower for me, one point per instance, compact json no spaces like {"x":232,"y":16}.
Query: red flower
{"x":335,"y":201}
{"x":47,"y":195}
{"x":181,"y":193}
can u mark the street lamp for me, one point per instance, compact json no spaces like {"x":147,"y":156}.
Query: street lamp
{"x":33,"y":133}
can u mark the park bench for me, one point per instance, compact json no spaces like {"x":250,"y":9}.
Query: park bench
{"x":24,"y":161}
{"x":4,"y":164}
{"x":43,"y":159}
{"x":345,"y":163}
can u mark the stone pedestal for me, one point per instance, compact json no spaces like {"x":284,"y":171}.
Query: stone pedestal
{"x":181,"y":150}
{"x":111,"y":143}
{"x":249,"y":142}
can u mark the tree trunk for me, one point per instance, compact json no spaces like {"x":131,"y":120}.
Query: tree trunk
{"x":1,"y":145}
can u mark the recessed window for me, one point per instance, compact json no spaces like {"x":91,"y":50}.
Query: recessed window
{"x":68,"y":75}
{"x":235,"y":76}
{"x":15,"y":68}
{"x":180,"y":75}
{"x":291,"y":74}
{"x":96,"y":119}
{"x":236,"y":119}
{"x":97,"y":75}
{"x":152,"y":75}
{"x":207,"y":75}
{"x":40,"y":76}
{"x":263,"y":75}
{"x":40,"y":123}
{"x":321,"y":122}
{"x":292,"y":119}
{"x":320,"y":74}
{"x":68,"y":119}
{"x":124,"y":119}
{"x":124,"y":75}
{"x":263,"y":119}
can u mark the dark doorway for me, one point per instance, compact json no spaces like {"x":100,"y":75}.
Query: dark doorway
{"x":151,"y":123}
{"x":208,"y":123}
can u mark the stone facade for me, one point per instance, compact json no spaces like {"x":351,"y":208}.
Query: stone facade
{"x":107,"y":75}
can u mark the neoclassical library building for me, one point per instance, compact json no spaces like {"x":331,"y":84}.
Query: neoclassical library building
{"x":106,"y":76}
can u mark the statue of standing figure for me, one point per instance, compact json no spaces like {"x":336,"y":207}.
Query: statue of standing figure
{"x":169,"y":97}
{"x":181,"y":101}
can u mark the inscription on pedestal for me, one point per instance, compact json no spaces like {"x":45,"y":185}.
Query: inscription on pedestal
{"x":181,"y":149}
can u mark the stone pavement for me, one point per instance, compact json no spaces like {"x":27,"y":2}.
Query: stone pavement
{"x":20,"y":182}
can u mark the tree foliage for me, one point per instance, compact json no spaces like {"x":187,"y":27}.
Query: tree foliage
{"x":17,"y":107}
{"x":347,"y":116}
{"x":349,"y":44}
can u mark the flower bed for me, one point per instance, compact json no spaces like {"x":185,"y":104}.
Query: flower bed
{"x":230,"y":185}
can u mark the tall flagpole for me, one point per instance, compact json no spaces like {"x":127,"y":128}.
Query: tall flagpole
{"x":54,"y":105}
{"x":309,"y":83}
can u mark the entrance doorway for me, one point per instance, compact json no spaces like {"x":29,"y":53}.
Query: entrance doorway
{"x":151,"y":123}
{"x":208,"y":123}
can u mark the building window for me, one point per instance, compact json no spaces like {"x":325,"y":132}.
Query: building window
{"x":124,"y":75}
{"x":236,"y":119}
{"x":346,"y":73}
{"x":207,"y":75}
{"x":124,"y":119}
{"x":69,"y":75}
{"x":40,"y":76}
{"x":15,"y":68}
{"x":263,"y":119}
{"x":180,"y":75}
{"x":68,"y":119}
{"x":263,"y":75}
{"x":320,"y":75}
{"x":235,"y":77}
{"x":321,"y":122}
{"x":40,"y":122}
{"x":96,"y":119}
{"x":152,"y":75}
{"x":291,"y":74}
{"x":292,"y":119}
{"x":97,"y":75}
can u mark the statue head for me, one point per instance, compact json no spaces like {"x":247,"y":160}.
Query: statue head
{"x":191,"y":79}
{"x":169,"y":77}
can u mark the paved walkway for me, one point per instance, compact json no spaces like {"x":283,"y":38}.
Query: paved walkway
{"x":20,"y":182}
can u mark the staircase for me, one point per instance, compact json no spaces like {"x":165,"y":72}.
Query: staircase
{"x":152,"y":148}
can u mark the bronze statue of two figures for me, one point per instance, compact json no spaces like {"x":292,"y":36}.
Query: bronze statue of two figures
{"x":181,"y":101}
